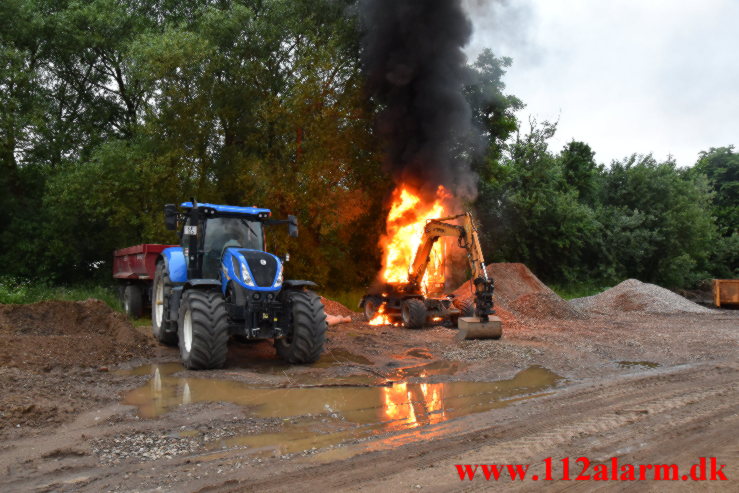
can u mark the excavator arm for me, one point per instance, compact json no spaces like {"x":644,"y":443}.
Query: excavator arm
{"x":468,"y":239}
{"x":434,"y":230}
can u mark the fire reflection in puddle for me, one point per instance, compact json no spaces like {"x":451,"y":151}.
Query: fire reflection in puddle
{"x":323,"y":416}
{"x":413,"y":404}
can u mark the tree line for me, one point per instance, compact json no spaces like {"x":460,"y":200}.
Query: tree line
{"x":112,"y":108}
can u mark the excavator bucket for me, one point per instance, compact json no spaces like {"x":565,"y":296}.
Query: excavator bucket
{"x":474,"y":328}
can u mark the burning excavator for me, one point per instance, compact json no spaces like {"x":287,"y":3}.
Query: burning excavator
{"x":418,"y":299}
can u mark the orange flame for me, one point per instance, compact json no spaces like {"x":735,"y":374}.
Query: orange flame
{"x":380,"y":317}
{"x":405,"y":223}
{"x":404,"y":226}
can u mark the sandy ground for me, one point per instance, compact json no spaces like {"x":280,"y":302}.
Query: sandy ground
{"x":385,"y":409}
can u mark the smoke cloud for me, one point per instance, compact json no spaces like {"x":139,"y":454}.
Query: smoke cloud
{"x":505,"y":26}
{"x":416,"y":70}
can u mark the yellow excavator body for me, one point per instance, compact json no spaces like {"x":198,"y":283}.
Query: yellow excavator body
{"x":409,"y":303}
{"x":484,"y":324}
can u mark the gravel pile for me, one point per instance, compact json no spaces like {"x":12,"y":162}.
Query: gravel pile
{"x":520,"y":294}
{"x":544,"y":305}
{"x":633,"y":295}
{"x":332,"y":307}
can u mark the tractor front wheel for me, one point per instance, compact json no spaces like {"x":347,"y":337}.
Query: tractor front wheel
{"x":203,"y":330}
{"x":414,"y":313}
{"x":304,"y":341}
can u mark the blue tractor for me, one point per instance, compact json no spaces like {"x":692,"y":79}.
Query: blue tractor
{"x":220,"y":283}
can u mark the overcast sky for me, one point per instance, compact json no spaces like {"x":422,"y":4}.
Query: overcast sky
{"x":624,"y":76}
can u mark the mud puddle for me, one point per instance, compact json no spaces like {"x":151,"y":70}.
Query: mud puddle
{"x":319,"y":417}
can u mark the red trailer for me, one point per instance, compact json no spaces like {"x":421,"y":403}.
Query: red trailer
{"x":134,"y":268}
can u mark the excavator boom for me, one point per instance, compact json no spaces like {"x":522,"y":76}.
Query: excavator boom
{"x":467,"y":239}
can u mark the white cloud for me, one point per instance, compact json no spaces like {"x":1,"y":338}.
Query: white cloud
{"x":623,"y":76}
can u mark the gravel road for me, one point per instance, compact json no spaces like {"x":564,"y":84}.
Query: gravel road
{"x":88,"y":402}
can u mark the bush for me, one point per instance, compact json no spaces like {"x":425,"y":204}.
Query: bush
{"x":22,"y":291}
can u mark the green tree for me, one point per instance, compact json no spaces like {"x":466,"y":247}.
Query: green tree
{"x":580,"y":170}
{"x":135,"y":104}
{"x":721,"y":166}
{"x":659,"y":228}
{"x":532,"y":214}
{"x":493,"y":111}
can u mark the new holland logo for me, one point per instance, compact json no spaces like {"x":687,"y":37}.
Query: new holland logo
{"x":263,"y":262}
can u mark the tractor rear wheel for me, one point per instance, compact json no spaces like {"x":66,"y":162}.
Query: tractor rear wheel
{"x":133,"y":301}
{"x":163,"y":331}
{"x":304,"y":341}
{"x":466,"y":307}
{"x":203,"y":330}
{"x":414,"y":313}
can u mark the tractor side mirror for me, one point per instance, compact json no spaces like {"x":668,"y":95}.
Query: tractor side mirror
{"x":292,"y":227}
{"x":170,"y":217}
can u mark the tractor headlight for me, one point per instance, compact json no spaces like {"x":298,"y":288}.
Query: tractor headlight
{"x":278,"y":282}
{"x":245,"y":276}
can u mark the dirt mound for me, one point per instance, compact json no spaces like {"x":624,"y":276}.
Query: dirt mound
{"x":66,"y":333}
{"x":519,"y":293}
{"x":335,"y":308}
{"x":633,"y":295}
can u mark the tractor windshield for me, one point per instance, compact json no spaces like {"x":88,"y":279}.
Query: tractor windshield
{"x":225,"y":232}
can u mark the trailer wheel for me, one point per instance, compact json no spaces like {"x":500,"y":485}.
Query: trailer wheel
{"x":203,"y":330}
{"x":133,"y":301}
{"x":466,"y":307}
{"x":304,"y":341}
{"x":413,"y":312}
{"x":163,"y":331}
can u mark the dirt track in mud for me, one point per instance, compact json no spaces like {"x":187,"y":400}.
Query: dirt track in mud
{"x":386,"y":409}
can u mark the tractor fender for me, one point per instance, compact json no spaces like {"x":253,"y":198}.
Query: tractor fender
{"x":291,"y":284}
{"x":174,"y":259}
{"x":203,"y":283}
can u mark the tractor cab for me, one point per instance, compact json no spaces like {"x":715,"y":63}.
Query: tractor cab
{"x":209,"y":229}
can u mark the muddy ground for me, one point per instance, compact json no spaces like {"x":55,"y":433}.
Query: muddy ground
{"x":385,"y":409}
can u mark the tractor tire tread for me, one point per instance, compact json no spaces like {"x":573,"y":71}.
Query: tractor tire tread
{"x":167,"y":333}
{"x":308,"y":329}
{"x":209,"y":330}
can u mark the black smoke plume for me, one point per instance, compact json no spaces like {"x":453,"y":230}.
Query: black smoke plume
{"x":416,"y":69}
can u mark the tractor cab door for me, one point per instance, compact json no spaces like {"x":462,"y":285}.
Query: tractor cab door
{"x":190,"y":232}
